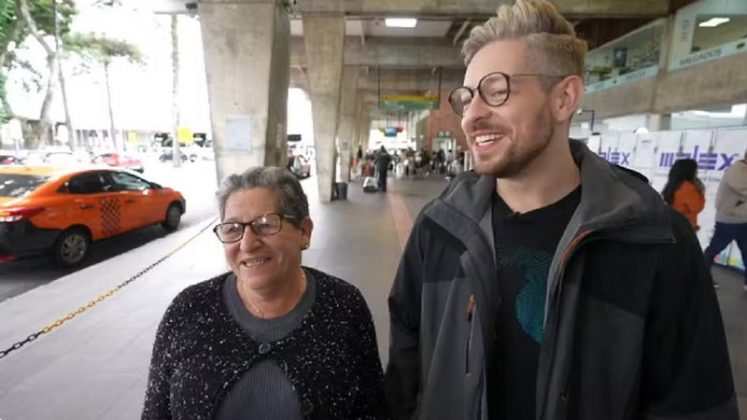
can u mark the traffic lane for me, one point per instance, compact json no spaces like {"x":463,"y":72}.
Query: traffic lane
{"x":197,"y":184}
{"x":20,"y":276}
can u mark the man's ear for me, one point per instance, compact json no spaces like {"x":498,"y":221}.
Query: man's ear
{"x":566,"y":98}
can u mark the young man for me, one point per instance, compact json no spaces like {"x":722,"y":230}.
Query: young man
{"x":549,"y":284}
{"x":731,"y":214}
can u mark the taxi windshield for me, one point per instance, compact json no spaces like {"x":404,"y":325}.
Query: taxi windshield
{"x":16,"y":185}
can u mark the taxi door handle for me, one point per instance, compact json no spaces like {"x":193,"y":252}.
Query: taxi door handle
{"x":86,"y":206}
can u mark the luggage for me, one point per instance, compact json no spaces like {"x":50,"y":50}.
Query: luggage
{"x":370,"y":184}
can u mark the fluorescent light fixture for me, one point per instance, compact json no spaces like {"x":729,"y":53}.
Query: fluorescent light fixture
{"x":713,"y":22}
{"x":401,"y":22}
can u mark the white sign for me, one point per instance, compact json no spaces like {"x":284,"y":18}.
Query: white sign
{"x":239,"y":133}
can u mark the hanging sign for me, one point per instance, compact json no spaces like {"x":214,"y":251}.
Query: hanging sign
{"x":408,"y":102}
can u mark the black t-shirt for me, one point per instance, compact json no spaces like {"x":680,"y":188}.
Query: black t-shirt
{"x":525,"y":244}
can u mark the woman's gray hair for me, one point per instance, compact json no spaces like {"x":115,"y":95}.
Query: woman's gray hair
{"x":291,"y":199}
{"x":552,"y":45}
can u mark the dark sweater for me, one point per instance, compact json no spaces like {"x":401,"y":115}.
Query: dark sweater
{"x":264,"y":391}
{"x":331,"y":359}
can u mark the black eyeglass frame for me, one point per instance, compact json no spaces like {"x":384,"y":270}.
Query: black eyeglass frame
{"x":507,"y":78}
{"x":251,"y":225}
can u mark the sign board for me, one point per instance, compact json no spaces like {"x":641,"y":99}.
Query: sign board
{"x":239,"y":133}
{"x":408,"y":103}
{"x":186,"y":136}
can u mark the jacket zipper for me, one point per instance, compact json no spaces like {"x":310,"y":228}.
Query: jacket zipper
{"x":470,"y":326}
{"x":567,"y":253}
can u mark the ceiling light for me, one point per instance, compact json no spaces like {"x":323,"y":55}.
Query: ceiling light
{"x":713,"y":22}
{"x":401,"y":22}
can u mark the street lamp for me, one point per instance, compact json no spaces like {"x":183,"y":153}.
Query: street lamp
{"x":591,"y":121}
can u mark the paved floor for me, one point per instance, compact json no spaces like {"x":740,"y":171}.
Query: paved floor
{"x":94,"y":366}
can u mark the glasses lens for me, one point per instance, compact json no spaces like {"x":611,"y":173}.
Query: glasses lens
{"x":494,"y":89}
{"x":266,"y":225}
{"x":229,"y":232}
{"x":459,"y":99}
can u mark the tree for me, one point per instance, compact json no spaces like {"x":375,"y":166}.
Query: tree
{"x":38,"y":18}
{"x":103,"y":51}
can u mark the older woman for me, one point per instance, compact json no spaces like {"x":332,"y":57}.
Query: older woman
{"x":270,"y":339}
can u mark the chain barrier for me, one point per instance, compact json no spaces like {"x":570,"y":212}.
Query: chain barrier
{"x":101,"y":297}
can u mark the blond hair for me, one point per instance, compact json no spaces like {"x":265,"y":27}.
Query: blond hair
{"x":552,"y":45}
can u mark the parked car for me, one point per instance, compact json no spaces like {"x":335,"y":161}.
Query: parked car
{"x":300,"y":167}
{"x":6,"y":159}
{"x":167,"y":155}
{"x":58,"y":211}
{"x":120,"y":160}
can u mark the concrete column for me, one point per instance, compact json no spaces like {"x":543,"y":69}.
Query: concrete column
{"x":247,"y":59}
{"x":346,"y":129}
{"x":365,"y":130}
{"x":659,"y":122}
{"x":324,"y":37}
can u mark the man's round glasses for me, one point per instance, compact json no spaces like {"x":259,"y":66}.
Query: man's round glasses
{"x":266,"y":225}
{"x":493,"y":88}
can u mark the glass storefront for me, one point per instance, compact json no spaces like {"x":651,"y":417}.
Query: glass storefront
{"x":708,"y":30}
{"x":630,"y":58}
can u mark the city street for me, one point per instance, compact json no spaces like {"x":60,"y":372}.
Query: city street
{"x":196,"y":181}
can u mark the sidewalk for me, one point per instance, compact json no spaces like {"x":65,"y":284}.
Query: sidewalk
{"x":95,"y":366}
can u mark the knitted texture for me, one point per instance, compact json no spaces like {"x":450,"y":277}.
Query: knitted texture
{"x":331,"y":358}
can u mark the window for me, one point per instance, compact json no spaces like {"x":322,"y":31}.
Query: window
{"x":87,"y":183}
{"x":14,"y":185}
{"x":127,"y":182}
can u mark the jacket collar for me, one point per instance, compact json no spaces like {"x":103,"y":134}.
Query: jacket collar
{"x":613,"y":200}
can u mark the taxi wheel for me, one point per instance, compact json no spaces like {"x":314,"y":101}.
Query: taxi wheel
{"x":173,"y":218}
{"x":71,"y":248}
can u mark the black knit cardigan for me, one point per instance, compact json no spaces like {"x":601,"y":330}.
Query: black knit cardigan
{"x":331,"y":359}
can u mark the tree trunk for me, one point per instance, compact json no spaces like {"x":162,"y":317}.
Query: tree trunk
{"x":61,"y":76}
{"x":112,"y":130}
{"x":176,"y":155}
{"x":45,"y":118}
{"x":45,"y":122}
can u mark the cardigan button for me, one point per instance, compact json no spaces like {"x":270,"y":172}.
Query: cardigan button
{"x":264,"y":348}
{"x":307,"y":407}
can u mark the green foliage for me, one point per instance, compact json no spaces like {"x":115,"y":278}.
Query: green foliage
{"x":5,"y":112}
{"x":101,"y":49}
{"x":41,"y":13}
{"x":13,"y":32}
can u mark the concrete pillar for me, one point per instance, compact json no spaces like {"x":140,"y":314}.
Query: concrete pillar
{"x":247,"y":59}
{"x":659,"y":122}
{"x":346,"y":129}
{"x":365,"y":130}
{"x":324,"y":37}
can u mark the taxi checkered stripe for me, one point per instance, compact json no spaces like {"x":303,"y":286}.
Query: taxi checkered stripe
{"x":110,"y":217}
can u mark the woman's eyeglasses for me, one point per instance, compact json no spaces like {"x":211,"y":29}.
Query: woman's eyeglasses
{"x":266,"y":225}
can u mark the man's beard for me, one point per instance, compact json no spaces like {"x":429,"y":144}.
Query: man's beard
{"x":522,"y":153}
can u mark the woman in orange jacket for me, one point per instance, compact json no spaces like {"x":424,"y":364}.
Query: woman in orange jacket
{"x":684,"y":191}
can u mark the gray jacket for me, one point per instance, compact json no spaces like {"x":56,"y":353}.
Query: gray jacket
{"x":731,"y":198}
{"x":632,"y":326}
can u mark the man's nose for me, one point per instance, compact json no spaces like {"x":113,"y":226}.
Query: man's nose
{"x":476,"y":110}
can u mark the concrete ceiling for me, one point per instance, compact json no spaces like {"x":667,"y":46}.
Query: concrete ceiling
{"x":444,"y":8}
{"x":408,"y":59}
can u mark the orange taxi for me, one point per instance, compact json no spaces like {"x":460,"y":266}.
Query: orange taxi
{"x":61,"y":211}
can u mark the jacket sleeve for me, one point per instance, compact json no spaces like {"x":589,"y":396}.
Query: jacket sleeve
{"x":402,"y":375}
{"x":686,"y":368}
{"x":371,"y":403}
{"x":736,"y":179}
{"x":157,"y":405}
